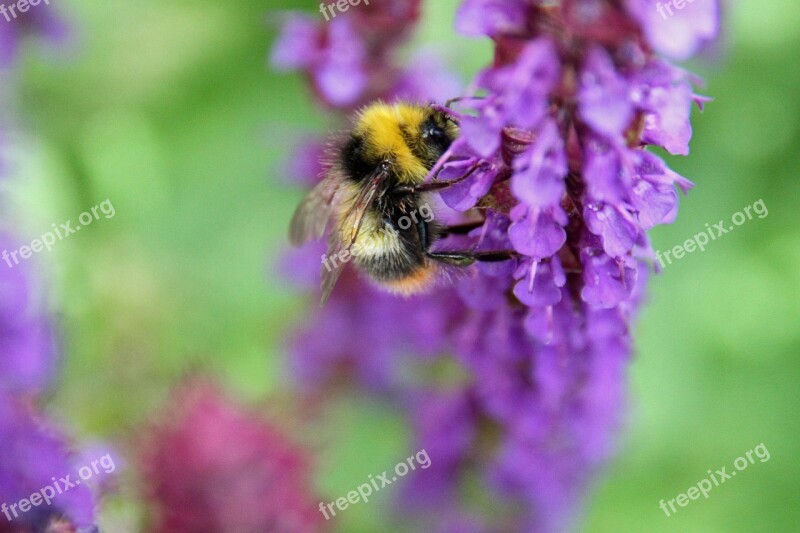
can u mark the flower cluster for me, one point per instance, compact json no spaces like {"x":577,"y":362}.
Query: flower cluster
{"x":349,"y":60}
{"x":558,"y":131}
{"x":564,"y":120}
{"x":28,"y":357}
{"x":33,"y":450}
{"x":213,"y":467}
{"x":353,"y":59}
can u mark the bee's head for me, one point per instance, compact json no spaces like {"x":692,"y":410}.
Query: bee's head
{"x":410,"y":137}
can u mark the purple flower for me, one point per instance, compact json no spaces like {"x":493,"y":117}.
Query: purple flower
{"x":539,"y":171}
{"x":517,"y":94}
{"x":298,"y":44}
{"x":604,"y":94}
{"x":677,"y":33}
{"x":27,"y":342}
{"x":557,"y":145}
{"x":41,"y":20}
{"x":445,"y":427}
{"x":491,"y":17}
{"x":664,"y":94}
{"x":349,"y":59}
{"x":33,"y":454}
{"x":427,"y":78}
{"x":349,"y":336}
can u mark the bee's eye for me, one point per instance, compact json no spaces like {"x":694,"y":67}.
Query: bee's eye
{"x":432,"y":132}
{"x":434,"y":137}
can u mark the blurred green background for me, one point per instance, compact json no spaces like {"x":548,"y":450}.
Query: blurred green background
{"x":168,"y":109}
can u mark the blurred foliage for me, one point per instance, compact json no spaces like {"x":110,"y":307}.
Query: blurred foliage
{"x":169,"y":110}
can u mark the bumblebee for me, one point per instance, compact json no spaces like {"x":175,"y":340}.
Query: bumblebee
{"x":376,"y":197}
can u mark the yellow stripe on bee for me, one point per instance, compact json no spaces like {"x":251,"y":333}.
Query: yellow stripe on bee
{"x":374,"y":237}
{"x":380,"y":125}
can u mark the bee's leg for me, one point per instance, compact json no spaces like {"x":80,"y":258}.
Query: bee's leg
{"x":460,"y":229}
{"x":457,"y":258}
{"x":430,"y":186}
{"x":424,"y":236}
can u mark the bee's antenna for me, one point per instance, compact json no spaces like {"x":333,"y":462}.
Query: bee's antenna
{"x":452,"y":116}
{"x":452,"y":101}
{"x":447,"y":109}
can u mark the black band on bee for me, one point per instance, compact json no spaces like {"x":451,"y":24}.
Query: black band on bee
{"x":353,"y":160}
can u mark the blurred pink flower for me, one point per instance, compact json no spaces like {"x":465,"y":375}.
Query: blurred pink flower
{"x":215,"y":467}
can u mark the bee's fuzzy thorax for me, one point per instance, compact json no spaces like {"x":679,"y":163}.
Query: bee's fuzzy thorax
{"x":386,"y":129}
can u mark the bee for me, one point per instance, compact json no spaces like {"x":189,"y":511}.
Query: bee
{"x":376,"y":196}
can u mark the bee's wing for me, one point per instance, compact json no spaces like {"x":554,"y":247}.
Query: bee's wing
{"x":351,"y":224}
{"x":312,"y":215}
{"x":330,"y":274}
